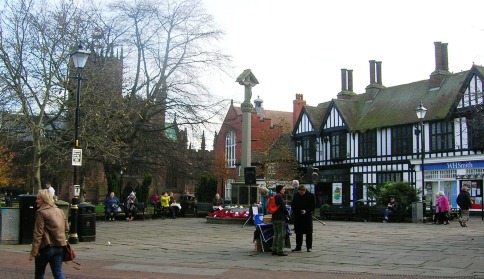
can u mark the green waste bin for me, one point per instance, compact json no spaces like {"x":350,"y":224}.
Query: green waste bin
{"x":64,"y":206}
{"x":9,"y":225}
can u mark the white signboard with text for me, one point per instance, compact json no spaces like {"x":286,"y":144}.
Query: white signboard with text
{"x":76,"y":157}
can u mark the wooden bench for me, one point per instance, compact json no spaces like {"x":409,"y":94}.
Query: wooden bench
{"x":141,"y":211}
{"x":377,"y":213}
{"x":157,"y":210}
{"x":203,"y":208}
{"x":337,"y":212}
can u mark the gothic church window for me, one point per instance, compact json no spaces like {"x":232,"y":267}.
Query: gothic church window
{"x":230,"y":147}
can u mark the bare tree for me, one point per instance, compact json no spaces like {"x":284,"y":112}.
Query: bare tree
{"x":168,"y":48}
{"x":172,"y":47}
{"x":35,"y":40}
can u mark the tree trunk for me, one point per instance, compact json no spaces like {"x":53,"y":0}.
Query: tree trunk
{"x":37,"y":162}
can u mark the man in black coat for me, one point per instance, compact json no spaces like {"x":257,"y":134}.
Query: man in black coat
{"x":302,"y":208}
{"x":465,"y":204}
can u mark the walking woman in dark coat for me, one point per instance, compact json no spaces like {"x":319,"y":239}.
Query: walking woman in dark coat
{"x":302,"y":208}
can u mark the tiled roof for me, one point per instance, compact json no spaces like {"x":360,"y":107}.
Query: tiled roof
{"x":283,"y":118}
{"x":396,"y":105}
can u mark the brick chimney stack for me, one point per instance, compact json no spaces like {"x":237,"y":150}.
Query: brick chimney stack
{"x":346,"y":85}
{"x":297,"y":106}
{"x":441,"y":65}
{"x":375,"y":77}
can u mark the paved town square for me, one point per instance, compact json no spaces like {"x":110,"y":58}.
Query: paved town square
{"x":193,"y":248}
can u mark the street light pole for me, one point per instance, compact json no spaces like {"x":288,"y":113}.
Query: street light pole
{"x":79,"y":58}
{"x":421,"y":111}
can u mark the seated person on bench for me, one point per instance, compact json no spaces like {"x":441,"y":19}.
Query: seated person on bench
{"x":217,"y":202}
{"x":111,"y":205}
{"x":391,"y":209}
{"x":131,"y":206}
{"x":174,"y":206}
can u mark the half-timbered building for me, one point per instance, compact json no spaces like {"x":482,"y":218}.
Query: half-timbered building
{"x":357,"y":140}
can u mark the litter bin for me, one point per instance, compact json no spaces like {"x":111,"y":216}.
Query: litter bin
{"x":188,"y":205}
{"x":86,"y":222}
{"x":9,"y":225}
{"x":28,"y":207}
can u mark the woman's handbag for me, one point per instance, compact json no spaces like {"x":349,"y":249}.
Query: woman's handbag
{"x":69,"y":253}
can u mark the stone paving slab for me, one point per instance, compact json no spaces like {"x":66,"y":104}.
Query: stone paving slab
{"x":191,"y":248}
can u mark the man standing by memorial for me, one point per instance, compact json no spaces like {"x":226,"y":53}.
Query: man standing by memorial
{"x":302,"y":208}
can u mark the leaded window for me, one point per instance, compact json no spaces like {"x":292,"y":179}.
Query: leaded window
{"x":309,"y":149}
{"x":402,"y":140}
{"x":338,"y":146}
{"x":475,"y":132}
{"x":367,"y":144}
{"x":383,"y":177}
{"x":441,"y":136}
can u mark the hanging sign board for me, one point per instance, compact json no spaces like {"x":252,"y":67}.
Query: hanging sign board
{"x":77,"y":157}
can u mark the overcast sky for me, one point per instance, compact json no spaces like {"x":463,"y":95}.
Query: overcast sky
{"x":301,"y":46}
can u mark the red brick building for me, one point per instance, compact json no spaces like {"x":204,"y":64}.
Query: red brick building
{"x":267,"y":127}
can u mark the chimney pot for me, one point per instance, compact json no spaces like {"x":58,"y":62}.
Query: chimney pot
{"x":372,"y":71}
{"x":343,"y":80}
{"x":378,"y":72}
{"x":350,"y":80}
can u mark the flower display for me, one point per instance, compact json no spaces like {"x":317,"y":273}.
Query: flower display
{"x":227,"y":213}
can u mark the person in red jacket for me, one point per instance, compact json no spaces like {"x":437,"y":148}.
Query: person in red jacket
{"x":279,"y":223}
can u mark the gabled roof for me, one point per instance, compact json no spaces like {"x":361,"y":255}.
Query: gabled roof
{"x":348,"y":110}
{"x":315,"y":115}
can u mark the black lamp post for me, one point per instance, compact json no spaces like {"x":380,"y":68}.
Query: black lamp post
{"x":421,"y":111}
{"x":79,"y":58}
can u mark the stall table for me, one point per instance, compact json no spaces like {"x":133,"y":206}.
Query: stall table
{"x":265,"y":233}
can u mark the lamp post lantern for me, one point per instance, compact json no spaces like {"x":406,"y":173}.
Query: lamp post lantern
{"x":79,"y":58}
{"x":421,"y":111}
